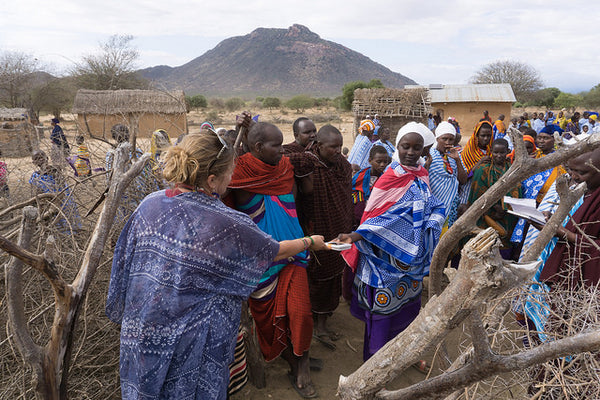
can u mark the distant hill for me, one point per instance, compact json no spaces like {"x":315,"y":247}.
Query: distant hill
{"x":274,"y":62}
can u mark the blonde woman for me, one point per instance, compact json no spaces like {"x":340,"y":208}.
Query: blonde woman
{"x":181,"y":269}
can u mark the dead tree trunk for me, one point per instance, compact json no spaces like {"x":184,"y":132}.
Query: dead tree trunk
{"x":482,"y":276}
{"x":49,"y":361}
{"x":487,"y":364}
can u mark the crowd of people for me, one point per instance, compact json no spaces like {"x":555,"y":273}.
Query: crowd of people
{"x":292,"y":228}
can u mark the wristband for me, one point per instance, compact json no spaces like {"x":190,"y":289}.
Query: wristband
{"x":312,"y":241}
{"x":306,"y":244}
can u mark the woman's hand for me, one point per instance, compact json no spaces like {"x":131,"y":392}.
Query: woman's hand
{"x":348,"y":237}
{"x":344,"y":238}
{"x":317,"y":243}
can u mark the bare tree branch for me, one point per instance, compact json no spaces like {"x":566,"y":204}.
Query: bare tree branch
{"x":522,"y":168}
{"x":27,"y":202}
{"x":568,"y":198}
{"x":443,"y":385}
{"x":481,"y":277}
{"x":30,"y":351}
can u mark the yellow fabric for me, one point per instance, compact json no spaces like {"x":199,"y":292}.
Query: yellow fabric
{"x":556,"y":172}
{"x":500,"y":127}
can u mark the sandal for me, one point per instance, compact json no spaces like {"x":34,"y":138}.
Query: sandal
{"x":422,"y":367}
{"x":307,"y":392}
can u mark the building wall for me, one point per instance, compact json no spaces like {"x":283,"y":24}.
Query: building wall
{"x":468,"y":114}
{"x":99,"y":125}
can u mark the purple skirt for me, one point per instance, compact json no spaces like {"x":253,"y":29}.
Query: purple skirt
{"x":380,"y":329}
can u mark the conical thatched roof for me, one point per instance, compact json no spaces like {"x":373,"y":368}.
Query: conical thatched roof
{"x":109,"y":102}
{"x":410,"y":103}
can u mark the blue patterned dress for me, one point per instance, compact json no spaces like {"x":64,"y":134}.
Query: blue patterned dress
{"x":181,"y":268}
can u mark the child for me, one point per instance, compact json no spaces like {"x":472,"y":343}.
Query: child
{"x":345,"y":152}
{"x":484,"y":176}
{"x":393,"y":245}
{"x":82,"y":161}
{"x":363,"y":180}
{"x":48,"y":179}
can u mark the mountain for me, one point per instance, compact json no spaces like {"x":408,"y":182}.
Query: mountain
{"x":274,"y":62}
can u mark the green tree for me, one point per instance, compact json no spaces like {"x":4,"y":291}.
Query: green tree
{"x":197,"y":101}
{"x":234,"y":103}
{"x":544,"y":97}
{"x":592,"y":98}
{"x":350,"y":87}
{"x":567,"y":100}
{"x":114,"y":67}
{"x":523,"y":78}
{"x":216,"y":103}
{"x":300,"y":102}
{"x":271,"y":102}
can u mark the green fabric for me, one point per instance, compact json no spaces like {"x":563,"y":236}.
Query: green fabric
{"x":484,"y":176}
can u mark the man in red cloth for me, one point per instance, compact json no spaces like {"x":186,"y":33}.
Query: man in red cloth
{"x":327,"y":210}
{"x":263,"y":187}
{"x":575,"y":261}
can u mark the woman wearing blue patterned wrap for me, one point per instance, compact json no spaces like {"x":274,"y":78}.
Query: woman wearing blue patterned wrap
{"x":182,"y":266}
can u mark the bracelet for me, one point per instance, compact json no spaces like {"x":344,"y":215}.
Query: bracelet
{"x":312,"y":241}
{"x":306,"y":244}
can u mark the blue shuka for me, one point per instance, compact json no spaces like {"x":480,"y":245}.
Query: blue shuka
{"x":181,"y":268}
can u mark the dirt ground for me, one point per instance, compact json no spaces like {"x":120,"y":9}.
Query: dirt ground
{"x":343,"y":361}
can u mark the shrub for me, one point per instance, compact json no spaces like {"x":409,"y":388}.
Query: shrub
{"x":219,"y":104}
{"x":234,"y":103}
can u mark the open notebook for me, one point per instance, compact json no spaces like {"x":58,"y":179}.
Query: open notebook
{"x":526,"y":209}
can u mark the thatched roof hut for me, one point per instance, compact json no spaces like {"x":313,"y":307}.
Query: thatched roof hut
{"x":143,"y":111}
{"x":395,"y":107}
{"x":15,"y":132}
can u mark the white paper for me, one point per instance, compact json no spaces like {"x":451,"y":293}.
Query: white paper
{"x":525,"y":208}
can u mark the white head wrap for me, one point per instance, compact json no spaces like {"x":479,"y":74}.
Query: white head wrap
{"x":414,"y":127}
{"x":445,"y":128}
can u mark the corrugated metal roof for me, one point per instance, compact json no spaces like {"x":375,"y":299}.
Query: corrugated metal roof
{"x":493,"y":92}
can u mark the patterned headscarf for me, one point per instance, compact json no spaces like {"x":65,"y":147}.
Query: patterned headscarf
{"x":526,"y":138}
{"x":366,"y":125}
{"x":471,"y":154}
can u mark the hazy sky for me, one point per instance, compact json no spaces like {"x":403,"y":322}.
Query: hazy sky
{"x":435,"y":41}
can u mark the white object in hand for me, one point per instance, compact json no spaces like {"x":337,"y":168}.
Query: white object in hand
{"x":338,"y":246}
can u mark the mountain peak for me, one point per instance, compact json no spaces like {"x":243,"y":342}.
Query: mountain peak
{"x":301,"y":31}
{"x":274,"y":62}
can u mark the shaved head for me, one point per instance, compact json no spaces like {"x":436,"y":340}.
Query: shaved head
{"x":327,"y":133}
{"x":259,"y":133}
